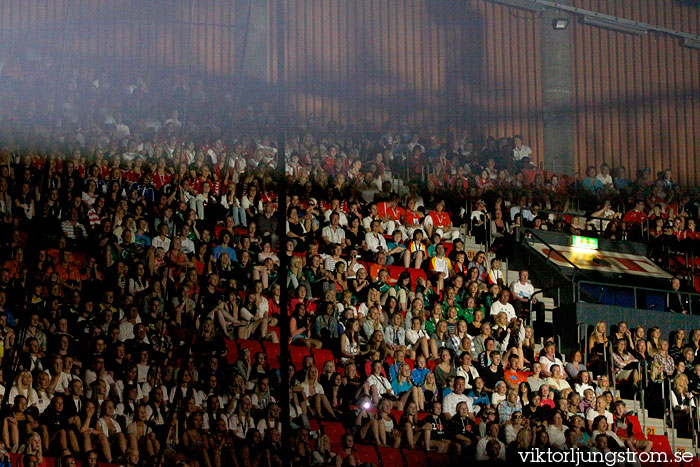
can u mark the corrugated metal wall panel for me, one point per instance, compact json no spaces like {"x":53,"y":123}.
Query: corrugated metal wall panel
{"x":638,"y":98}
{"x":425,"y":62}
{"x":152,"y":34}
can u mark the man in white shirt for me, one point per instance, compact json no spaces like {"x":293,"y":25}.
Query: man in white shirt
{"x":387,"y":225}
{"x":548,"y":359}
{"x":162,"y":240}
{"x":522,"y":289}
{"x":599,"y":409}
{"x":449,"y":404}
{"x":333,"y":233}
{"x":604,"y":176}
{"x":520,"y":149}
{"x":353,"y":265}
{"x":502,"y":305}
{"x":492,"y":430}
{"x":520,"y":208}
{"x":186,"y":243}
{"x":335,"y":208}
{"x":375,"y":241}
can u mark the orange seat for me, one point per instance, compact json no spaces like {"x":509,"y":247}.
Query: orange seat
{"x":439,"y":459}
{"x":415,"y":274}
{"x":448,"y":247}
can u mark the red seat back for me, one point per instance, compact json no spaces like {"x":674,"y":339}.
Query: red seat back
{"x":252,"y":345}
{"x":232,"y":354}
{"x":391,"y":457}
{"x":366,"y":454}
{"x":273,"y":352}
{"x":415,"y":458}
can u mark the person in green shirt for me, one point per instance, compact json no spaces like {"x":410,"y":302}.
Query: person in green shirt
{"x":435,"y":317}
{"x":470,"y":309}
{"x":382,"y":285}
{"x":425,"y":288}
{"x":492,"y":296}
{"x":432,"y":248}
{"x":450,"y":299}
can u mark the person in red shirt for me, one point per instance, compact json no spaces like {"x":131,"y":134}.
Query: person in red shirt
{"x":412,"y":218}
{"x":443,"y":164}
{"x":459,"y":182}
{"x":634,"y":219}
{"x":689,"y":233}
{"x":439,"y":221}
{"x":391,"y":211}
{"x":636,"y":215}
{"x":513,"y":376}
{"x":161,"y":176}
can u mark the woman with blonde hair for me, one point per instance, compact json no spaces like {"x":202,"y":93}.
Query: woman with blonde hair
{"x":24,"y":387}
{"x":315,"y":394}
{"x":682,"y":402}
{"x":33,"y":447}
{"x":528,"y":346}
{"x":597,"y":342}
{"x":295,"y":276}
{"x":501,"y":323}
{"x":430,"y":388}
{"x":664,"y":358}
{"x":404,"y":388}
{"x":323,"y":454}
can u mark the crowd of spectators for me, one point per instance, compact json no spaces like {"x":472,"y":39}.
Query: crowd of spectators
{"x":137,"y":243}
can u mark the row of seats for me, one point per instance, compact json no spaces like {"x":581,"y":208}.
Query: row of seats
{"x":16,"y":460}
{"x":273,"y":350}
{"x":380,"y":456}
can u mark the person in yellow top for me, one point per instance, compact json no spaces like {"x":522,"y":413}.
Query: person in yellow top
{"x":418,"y":251}
{"x":440,"y":266}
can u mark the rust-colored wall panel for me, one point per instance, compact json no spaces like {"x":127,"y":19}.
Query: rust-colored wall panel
{"x":423,"y":62}
{"x":637,"y":98}
{"x":153,"y":35}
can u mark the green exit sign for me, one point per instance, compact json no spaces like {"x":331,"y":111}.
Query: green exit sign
{"x":584,"y":242}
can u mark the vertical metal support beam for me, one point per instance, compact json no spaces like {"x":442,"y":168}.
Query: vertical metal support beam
{"x":278,"y":8}
{"x":557,"y":94}
{"x":257,"y":47}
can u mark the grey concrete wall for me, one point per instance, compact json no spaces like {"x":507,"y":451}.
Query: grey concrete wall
{"x":557,"y":94}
